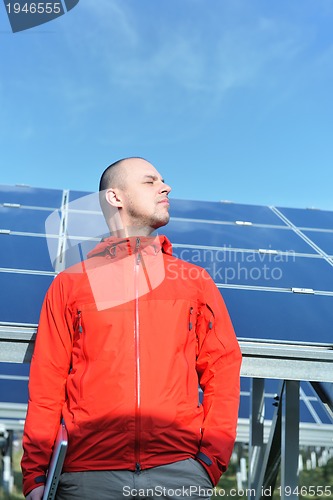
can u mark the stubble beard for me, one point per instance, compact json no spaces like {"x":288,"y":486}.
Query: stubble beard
{"x":153,"y":222}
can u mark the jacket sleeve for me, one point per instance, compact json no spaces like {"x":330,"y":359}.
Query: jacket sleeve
{"x":218,"y":366}
{"x":48,"y":373}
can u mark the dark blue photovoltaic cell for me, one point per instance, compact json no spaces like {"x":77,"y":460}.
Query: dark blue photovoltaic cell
{"x":280,"y":316}
{"x":222,"y":211}
{"x":13,"y":391}
{"x":323,"y":239}
{"x":21,"y":369}
{"x":310,"y":218}
{"x":245,"y":384}
{"x":234,"y":236}
{"x":74,"y":195}
{"x":253,"y":269}
{"x":24,"y":252}
{"x":84,"y":202}
{"x":320,"y":410}
{"x":33,"y":197}
{"x":305,"y":412}
{"x":25,"y":220}
{"x":22,"y":296}
{"x":244,"y":406}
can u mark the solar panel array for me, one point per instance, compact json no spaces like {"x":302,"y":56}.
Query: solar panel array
{"x":273,"y":265}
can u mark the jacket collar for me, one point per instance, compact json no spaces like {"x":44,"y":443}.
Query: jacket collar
{"x":112,"y":246}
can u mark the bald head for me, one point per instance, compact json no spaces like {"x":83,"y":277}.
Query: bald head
{"x":114,"y":175}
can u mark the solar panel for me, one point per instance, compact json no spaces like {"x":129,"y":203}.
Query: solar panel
{"x":23,"y":296}
{"x":26,"y":271}
{"x":237,"y":235}
{"x":224,"y":211}
{"x":24,"y":252}
{"x":275,"y":277}
{"x":323,"y":239}
{"x":280,"y":316}
{"x":273,"y":266}
{"x":13,"y":382}
{"x":30,"y":196}
{"x":308,"y":218}
{"x":23,"y":220}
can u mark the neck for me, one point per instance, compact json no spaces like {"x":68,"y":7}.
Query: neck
{"x":128,"y":232}
{"x":121,"y":227}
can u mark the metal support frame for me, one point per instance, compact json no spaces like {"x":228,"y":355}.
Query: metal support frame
{"x":282,"y":448}
{"x":285,"y":360}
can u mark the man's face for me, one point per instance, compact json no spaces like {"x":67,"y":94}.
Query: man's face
{"x":144,"y":198}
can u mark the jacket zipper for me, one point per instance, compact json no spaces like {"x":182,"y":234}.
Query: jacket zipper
{"x":137,"y":359}
{"x":190,"y":327}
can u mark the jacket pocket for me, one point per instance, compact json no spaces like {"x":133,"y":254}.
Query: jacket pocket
{"x":190,"y":349}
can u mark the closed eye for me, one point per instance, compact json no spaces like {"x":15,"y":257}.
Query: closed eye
{"x":150,"y":179}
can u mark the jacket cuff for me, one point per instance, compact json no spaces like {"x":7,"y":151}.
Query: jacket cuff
{"x":210,"y":466}
{"x":31,"y":484}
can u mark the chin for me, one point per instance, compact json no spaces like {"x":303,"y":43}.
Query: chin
{"x":161,"y":222}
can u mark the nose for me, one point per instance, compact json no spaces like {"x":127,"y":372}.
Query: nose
{"x":165,"y":188}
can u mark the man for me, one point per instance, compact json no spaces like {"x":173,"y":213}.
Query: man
{"x":124,"y":339}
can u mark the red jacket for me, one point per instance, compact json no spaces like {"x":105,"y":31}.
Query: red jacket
{"x":123,"y":340}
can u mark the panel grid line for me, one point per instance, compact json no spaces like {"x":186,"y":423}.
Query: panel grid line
{"x":303,"y":236}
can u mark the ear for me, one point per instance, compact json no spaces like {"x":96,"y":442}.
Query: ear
{"x":113,"y":198}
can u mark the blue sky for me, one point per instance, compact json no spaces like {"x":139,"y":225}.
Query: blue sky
{"x":229,"y":99}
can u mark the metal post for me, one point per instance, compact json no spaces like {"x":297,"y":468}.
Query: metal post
{"x":256,"y":440}
{"x":290,"y":441}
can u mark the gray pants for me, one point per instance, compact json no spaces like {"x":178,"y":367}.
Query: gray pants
{"x":177,"y":481}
